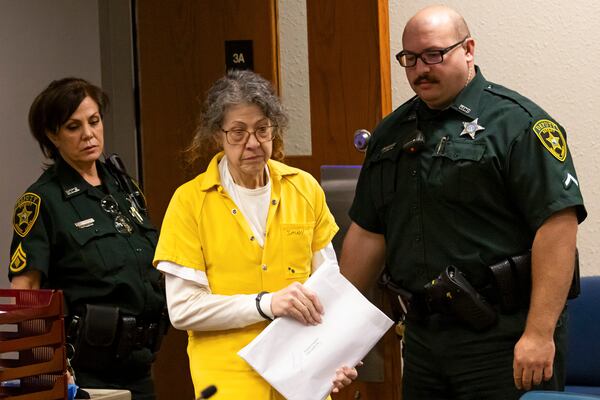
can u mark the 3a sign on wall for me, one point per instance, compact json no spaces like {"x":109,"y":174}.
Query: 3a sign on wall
{"x":238,"y":54}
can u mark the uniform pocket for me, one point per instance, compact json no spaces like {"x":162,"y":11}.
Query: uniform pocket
{"x":101,"y":249}
{"x":297,"y":251}
{"x":384,"y":166}
{"x":457,"y":172}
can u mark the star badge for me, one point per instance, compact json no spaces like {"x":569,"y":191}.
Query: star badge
{"x":24,"y":216}
{"x":471,"y":128}
{"x":26,"y":213}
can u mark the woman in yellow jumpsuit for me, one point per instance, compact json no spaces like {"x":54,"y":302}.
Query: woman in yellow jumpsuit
{"x":238,"y":241}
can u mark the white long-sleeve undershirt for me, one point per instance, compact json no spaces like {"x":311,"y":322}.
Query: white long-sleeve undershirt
{"x":192,"y":305}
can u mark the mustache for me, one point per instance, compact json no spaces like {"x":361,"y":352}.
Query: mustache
{"x":425,"y":78}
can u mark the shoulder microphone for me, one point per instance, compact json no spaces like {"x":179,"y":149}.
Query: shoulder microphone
{"x":415,"y":143}
{"x":208,"y":392}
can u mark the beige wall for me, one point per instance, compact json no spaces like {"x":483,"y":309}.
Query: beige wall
{"x":39,"y":41}
{"x":294,"y":90}
{"x":43,"y":40}
{"x":548,"y":51}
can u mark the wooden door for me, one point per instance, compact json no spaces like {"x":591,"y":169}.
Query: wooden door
{"x":181,"y":52}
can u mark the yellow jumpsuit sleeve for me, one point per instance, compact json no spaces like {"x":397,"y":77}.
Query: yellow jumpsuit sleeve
{"x":180,"y":238}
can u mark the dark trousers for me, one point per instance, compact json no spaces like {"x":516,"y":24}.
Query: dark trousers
{"x":443,"y":360}
{"x":133,"y":374}
{"x":141,"y":388}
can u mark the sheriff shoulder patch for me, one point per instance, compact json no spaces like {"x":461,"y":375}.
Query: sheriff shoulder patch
{"x":552,"y":138}
{"x":18,"y":261}
{"x":26,"y":213}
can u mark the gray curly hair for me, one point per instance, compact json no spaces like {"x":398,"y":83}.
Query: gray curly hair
{"x":235,"y":88}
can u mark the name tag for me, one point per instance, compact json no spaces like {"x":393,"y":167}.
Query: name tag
{"x":71,"y":191}
{"x":86,"y":223}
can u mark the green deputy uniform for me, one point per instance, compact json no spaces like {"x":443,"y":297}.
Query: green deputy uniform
{"x":94,"y":245}
{"x":492,"y":168}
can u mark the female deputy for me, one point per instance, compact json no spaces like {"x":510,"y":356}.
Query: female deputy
{"x":239,"y":239}
{"x":78,"y":230}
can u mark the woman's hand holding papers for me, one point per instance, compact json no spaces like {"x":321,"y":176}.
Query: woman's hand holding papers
{"x":298,"y":302}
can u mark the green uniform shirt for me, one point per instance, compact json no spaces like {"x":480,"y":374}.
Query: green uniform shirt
{"x":61,"y":230}
{"x":467,"y":200}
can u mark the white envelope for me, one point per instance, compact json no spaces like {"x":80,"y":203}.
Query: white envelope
{"x":300,"y":361}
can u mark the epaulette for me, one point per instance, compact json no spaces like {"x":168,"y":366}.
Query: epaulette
{"x":525,"y":103}
{"x":548,"y":131}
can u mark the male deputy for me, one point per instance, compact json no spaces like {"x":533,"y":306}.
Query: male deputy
{"x":467,"y":174}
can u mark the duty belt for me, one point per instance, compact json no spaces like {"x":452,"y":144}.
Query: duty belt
{"x":452,"y":294}
{"x":103,"y":331}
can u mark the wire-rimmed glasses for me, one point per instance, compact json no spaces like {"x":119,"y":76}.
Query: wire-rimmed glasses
{"x":240,"y":136}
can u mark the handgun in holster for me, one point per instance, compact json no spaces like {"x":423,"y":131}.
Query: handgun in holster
{"x":451,"y":294}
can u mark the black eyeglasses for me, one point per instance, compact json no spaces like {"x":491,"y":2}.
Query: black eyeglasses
{"x":409,"y":59}
{"x":111,"y":207}
{"x":240,"y":136}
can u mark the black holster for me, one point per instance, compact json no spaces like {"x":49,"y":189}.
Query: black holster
{"x":95,"y":338}
{"x":451,"y":294}
{"x":103,"y":335}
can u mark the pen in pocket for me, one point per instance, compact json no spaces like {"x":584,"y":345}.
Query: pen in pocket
{"x":441,"y":146}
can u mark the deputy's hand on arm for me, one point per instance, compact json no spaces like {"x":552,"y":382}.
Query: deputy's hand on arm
{"x":298,"y":302}
{"x":552,"y":264}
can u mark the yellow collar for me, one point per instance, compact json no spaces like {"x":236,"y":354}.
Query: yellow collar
{"x":211,"y":177}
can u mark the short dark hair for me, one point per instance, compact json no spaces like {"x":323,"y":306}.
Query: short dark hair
{"x":55,"y":104}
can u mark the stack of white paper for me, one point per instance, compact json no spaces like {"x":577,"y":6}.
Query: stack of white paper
{"x":300,"y":361}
